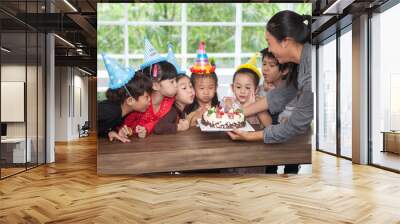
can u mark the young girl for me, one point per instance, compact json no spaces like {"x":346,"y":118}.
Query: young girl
{"x":205,"y":83}
{"x":174,"y":121}
{"x":245,"y":87}
{"x":163,"y":75}
{"x":128,"y":92}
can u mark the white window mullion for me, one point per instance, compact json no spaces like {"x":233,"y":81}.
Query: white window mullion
{"x":126,"y":39}
{"x":238,"y":34}
{"x":164,"y":23}
{"x":184,"y":36}
{"x":187,"y":55}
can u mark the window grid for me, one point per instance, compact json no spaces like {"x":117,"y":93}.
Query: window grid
{"x":237,"y":55}
{"x":184,"y":24}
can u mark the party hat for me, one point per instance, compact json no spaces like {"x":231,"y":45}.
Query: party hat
{"x":119,"y":76}
{"x":202,"y":65}
{"x":252,"y":65}
{"x":151,"y":56}
{"x":172,"y":59}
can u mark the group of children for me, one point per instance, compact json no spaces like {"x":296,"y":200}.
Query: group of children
{"x":160,"y":98}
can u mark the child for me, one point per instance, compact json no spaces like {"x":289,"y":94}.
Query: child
{"x":163,"y":75}
{"x":174,"y":121}
{"x":245,"y":87}
{"x":128,"y":92}
{"x":276,"y":76}
{"x":205,"y":83}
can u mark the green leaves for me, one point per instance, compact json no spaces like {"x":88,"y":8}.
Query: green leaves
{"x":219,"y":39}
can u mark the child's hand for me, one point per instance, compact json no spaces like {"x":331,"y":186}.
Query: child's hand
{"x":125,"y":131}
{"x":252,"y":99}
{"x":183,"y":125}
{"x":227,"y":103}
{"x":114,"y":135}
{"x":202,"y":110}
{"x":141,"y":131}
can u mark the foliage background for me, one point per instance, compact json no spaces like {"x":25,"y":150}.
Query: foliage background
{"x":114,"y":17}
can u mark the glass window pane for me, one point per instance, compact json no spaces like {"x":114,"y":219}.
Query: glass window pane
{"x":303,"y":8}
{"x":110,"y":39}
{"x":211,"y":12}
{"x":222,"y":41}
{"x":41,"y":99}
{"x":259,"y":12}
{"x":13,"y":84}
{"x":327,"y":97}
{"x":253,"y":39}
{"x":110,"y":12}
{"x":154,"y":12}
{"x":31,"y":101}
{"x":385,"y":89}
{"x":159,"y":37}
{"x":346,"y":94}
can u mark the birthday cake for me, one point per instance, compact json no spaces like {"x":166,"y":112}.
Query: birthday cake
{"x":218,"y":117}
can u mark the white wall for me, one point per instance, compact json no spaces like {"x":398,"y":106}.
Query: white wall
{"x":70,"y":84}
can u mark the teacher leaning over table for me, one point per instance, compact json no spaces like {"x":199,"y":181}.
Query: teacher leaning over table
{"x":288,"y":35}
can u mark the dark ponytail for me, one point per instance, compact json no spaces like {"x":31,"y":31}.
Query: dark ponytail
{"x":290,"y":24}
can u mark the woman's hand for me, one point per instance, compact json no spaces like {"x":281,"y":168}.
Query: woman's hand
{"x":238,"y":135}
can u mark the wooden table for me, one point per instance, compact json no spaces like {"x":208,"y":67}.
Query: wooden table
{"x":194,"y":150}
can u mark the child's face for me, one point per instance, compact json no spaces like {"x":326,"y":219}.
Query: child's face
{"x":270,"y":70}
{"x":168,"y":87}
{"x":142,"y":103}
{"x":205,"y":89}
{"x":185,"y":93}
{"x":243,"y":86}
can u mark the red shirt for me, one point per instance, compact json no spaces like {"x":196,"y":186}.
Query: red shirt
{"x":149,"y":119}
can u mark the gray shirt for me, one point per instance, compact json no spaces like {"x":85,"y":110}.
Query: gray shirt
{"x":297,"y":108}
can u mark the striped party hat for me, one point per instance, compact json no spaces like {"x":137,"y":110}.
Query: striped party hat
{"x":202,"y":65}
{"x":172,"y":59}
{"x":151,"y":56}
{"x":119,"y":76}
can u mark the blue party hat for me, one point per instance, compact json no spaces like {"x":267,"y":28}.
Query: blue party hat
{"x":172,"y":59}
{"x":119,"y":76}
{"x":151,"y":56}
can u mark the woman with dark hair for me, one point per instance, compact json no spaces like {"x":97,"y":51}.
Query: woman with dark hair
{"x":288,"y":36}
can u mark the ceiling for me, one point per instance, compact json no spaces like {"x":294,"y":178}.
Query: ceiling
{"x":74,"y":22}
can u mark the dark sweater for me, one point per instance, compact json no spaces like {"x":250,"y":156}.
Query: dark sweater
{"x":109,"y":116}
{"x":169,"y":123}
